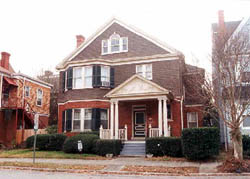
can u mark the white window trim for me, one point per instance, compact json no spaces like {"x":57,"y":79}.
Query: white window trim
{"x":37,"y":97}
{"x":109,"y":46}
{"x":144,"y":70}
{"x":25,"y":91}
{"x":196,"y":118}
{"x":82,"y":75}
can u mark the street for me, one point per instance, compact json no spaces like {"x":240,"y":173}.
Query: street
{"x":27,"y":174}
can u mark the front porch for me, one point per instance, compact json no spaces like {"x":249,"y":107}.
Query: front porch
{"x":138,"y":109}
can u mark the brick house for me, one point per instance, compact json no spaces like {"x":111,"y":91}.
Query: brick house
{"x":126,"y":84}
{"x":21,"y":98}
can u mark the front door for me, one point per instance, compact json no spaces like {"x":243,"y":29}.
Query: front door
{"x":139,"y":124}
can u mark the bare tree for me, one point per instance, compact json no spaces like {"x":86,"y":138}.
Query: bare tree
{"x":229,"y":90}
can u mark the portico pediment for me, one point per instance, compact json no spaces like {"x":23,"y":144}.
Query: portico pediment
{"x":137,"y":86}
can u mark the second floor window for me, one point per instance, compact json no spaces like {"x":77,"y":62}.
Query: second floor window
{"x":145,"y":70}
{"x":27,"y":91}
{"x":105,"y":75}
{"x":77,"y":78}
{"x":39,"y":97}
{"x":88,"y":71}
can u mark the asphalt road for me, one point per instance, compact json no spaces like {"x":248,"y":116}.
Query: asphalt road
{"x":26,"y":174}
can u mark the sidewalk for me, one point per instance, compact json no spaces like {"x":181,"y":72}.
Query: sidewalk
{"x":116,"y":164}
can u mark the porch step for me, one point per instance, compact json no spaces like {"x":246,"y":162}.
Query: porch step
{"x":133,"y":149}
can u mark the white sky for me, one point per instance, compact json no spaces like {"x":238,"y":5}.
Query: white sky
{"x":39,"y":34}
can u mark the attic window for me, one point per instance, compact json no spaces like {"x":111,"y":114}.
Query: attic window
{"x":115,"y":44}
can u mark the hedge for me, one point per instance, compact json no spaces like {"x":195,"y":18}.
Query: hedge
{"x":88,"y":140}
{"x":200,"y":143}
{"x":47,"y":141}
{"x":108,"y":146}
{"x":91,"y":132}
{"x":160,"y":146}
{"x":246,"y":144}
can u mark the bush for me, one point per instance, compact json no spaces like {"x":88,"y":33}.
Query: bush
{"x":246,"y":145}
{"x":91,"y":132}
{"x":51,"y":129}
{"x":108,"y":146}
{"x":160,"y":146}
{"x":200,"y":143}
{"x":47,"y":141}
{"x":88,"y":140}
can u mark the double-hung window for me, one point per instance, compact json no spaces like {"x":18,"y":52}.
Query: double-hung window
{"x":27,"y":91}
{"x":115,"y":45}
{"x":77,"y":78}
{"x":192,"y":119}
{"x":39,"y":97}
{"x":105,"y":46}
{"x":88,"y":71}
{"x":87,"y":118}
{"x":105,"y":75}
{"x":76,"y":120}
{"x":145,"y":70}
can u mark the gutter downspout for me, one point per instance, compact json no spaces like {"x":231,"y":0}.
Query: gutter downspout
{"x":182,"y":113}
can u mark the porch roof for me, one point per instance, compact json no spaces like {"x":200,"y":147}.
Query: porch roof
{"x":138,"y":87}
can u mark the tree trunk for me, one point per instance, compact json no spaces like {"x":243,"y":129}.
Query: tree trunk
{"x":237,"y":143}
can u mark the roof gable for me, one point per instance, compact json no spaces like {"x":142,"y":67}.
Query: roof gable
{"x":137,"y":86}
{"x":139,"y":44}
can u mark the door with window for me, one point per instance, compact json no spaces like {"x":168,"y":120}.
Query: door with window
{"x":139,"y":124}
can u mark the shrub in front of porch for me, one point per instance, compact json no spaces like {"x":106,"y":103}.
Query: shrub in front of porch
{"x":47,"y":141}
{"x":108,"y":146}
{"x":161,"y":146}
{"x":200,"y":143}
{"x":88,"y":141}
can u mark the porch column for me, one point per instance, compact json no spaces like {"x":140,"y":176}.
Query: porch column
{"x":160,"y":116}
{"x":165,"y":117}
{"x":116,"y":119}
{"x":111,"y":119}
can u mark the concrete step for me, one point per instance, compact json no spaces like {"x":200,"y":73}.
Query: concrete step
{"x":133,"y":149}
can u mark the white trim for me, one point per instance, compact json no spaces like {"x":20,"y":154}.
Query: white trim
{"x":239,"y":27}
{"x":35,"y":81}
{"x":105,"y":27}
{"x":117,"y":62}
{"x":138,"y":98}
{"x":110,"y":94}
{"x":194,"y":105}
{"x":80,"y":100}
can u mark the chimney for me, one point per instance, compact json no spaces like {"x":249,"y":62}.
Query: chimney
{"x":221,"y":23}
{"x":79,"y":40}
{"x":5,"y":60}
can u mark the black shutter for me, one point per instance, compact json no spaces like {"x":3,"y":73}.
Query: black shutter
{"x":69,"y":78}
{"x":169,"y":111}
{"x":96,"y":76}
{"x":96,"y":119}
{"x":69,"y":120}
{"x":63,"y":121}
{"x":112,"y":77}
{"x":63,"y":81}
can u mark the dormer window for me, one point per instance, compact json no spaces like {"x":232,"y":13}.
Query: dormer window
{"x":115,"y":44}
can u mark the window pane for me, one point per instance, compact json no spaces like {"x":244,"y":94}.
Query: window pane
{"x":76,"y":124}
{"x":88,"y":77}
{"x":246,"y":122}
{"x":103,"y":114}
{"x":105,"y":46}
{"x":105,"y":74}
{"x":88,"y":114}
{"x":192,"y":124}
{"x":124,"y":44}
{"x":77,"y":113}
{"x":115,"y":46}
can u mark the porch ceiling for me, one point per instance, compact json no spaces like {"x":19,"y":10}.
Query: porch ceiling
{"x":138,"y":87}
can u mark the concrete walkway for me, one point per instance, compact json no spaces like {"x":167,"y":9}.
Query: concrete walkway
{"x":117,"y":164}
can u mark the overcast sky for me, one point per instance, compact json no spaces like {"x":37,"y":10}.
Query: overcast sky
{"x":39,"y":34}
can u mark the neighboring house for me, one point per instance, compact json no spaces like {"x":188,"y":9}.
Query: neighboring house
{"x":21,"y":98}
{"x":222,"y":32}
{"x":127,"y":84}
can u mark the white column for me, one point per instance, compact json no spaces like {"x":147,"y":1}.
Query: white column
{"x":111,"y":119}
{"x":165,"y":118}
{"x":116,"y":120}
{"x":160,"y":116}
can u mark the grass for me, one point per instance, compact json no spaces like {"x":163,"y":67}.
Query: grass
{"x":27,"y":153}
{"x":53,"y":166}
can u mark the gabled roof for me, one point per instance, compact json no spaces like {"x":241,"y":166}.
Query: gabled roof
{"x":105,"y":27}
{"x":137,"y":86}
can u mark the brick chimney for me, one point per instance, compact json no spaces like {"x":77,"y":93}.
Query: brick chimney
{"x":5,"y":60}
{"x":221,"y":23}
{"x":79,"y":40}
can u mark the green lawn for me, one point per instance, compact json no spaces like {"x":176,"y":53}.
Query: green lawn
{"x":28,"y":153}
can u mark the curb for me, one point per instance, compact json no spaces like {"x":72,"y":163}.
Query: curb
{"x":101,"y":172}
